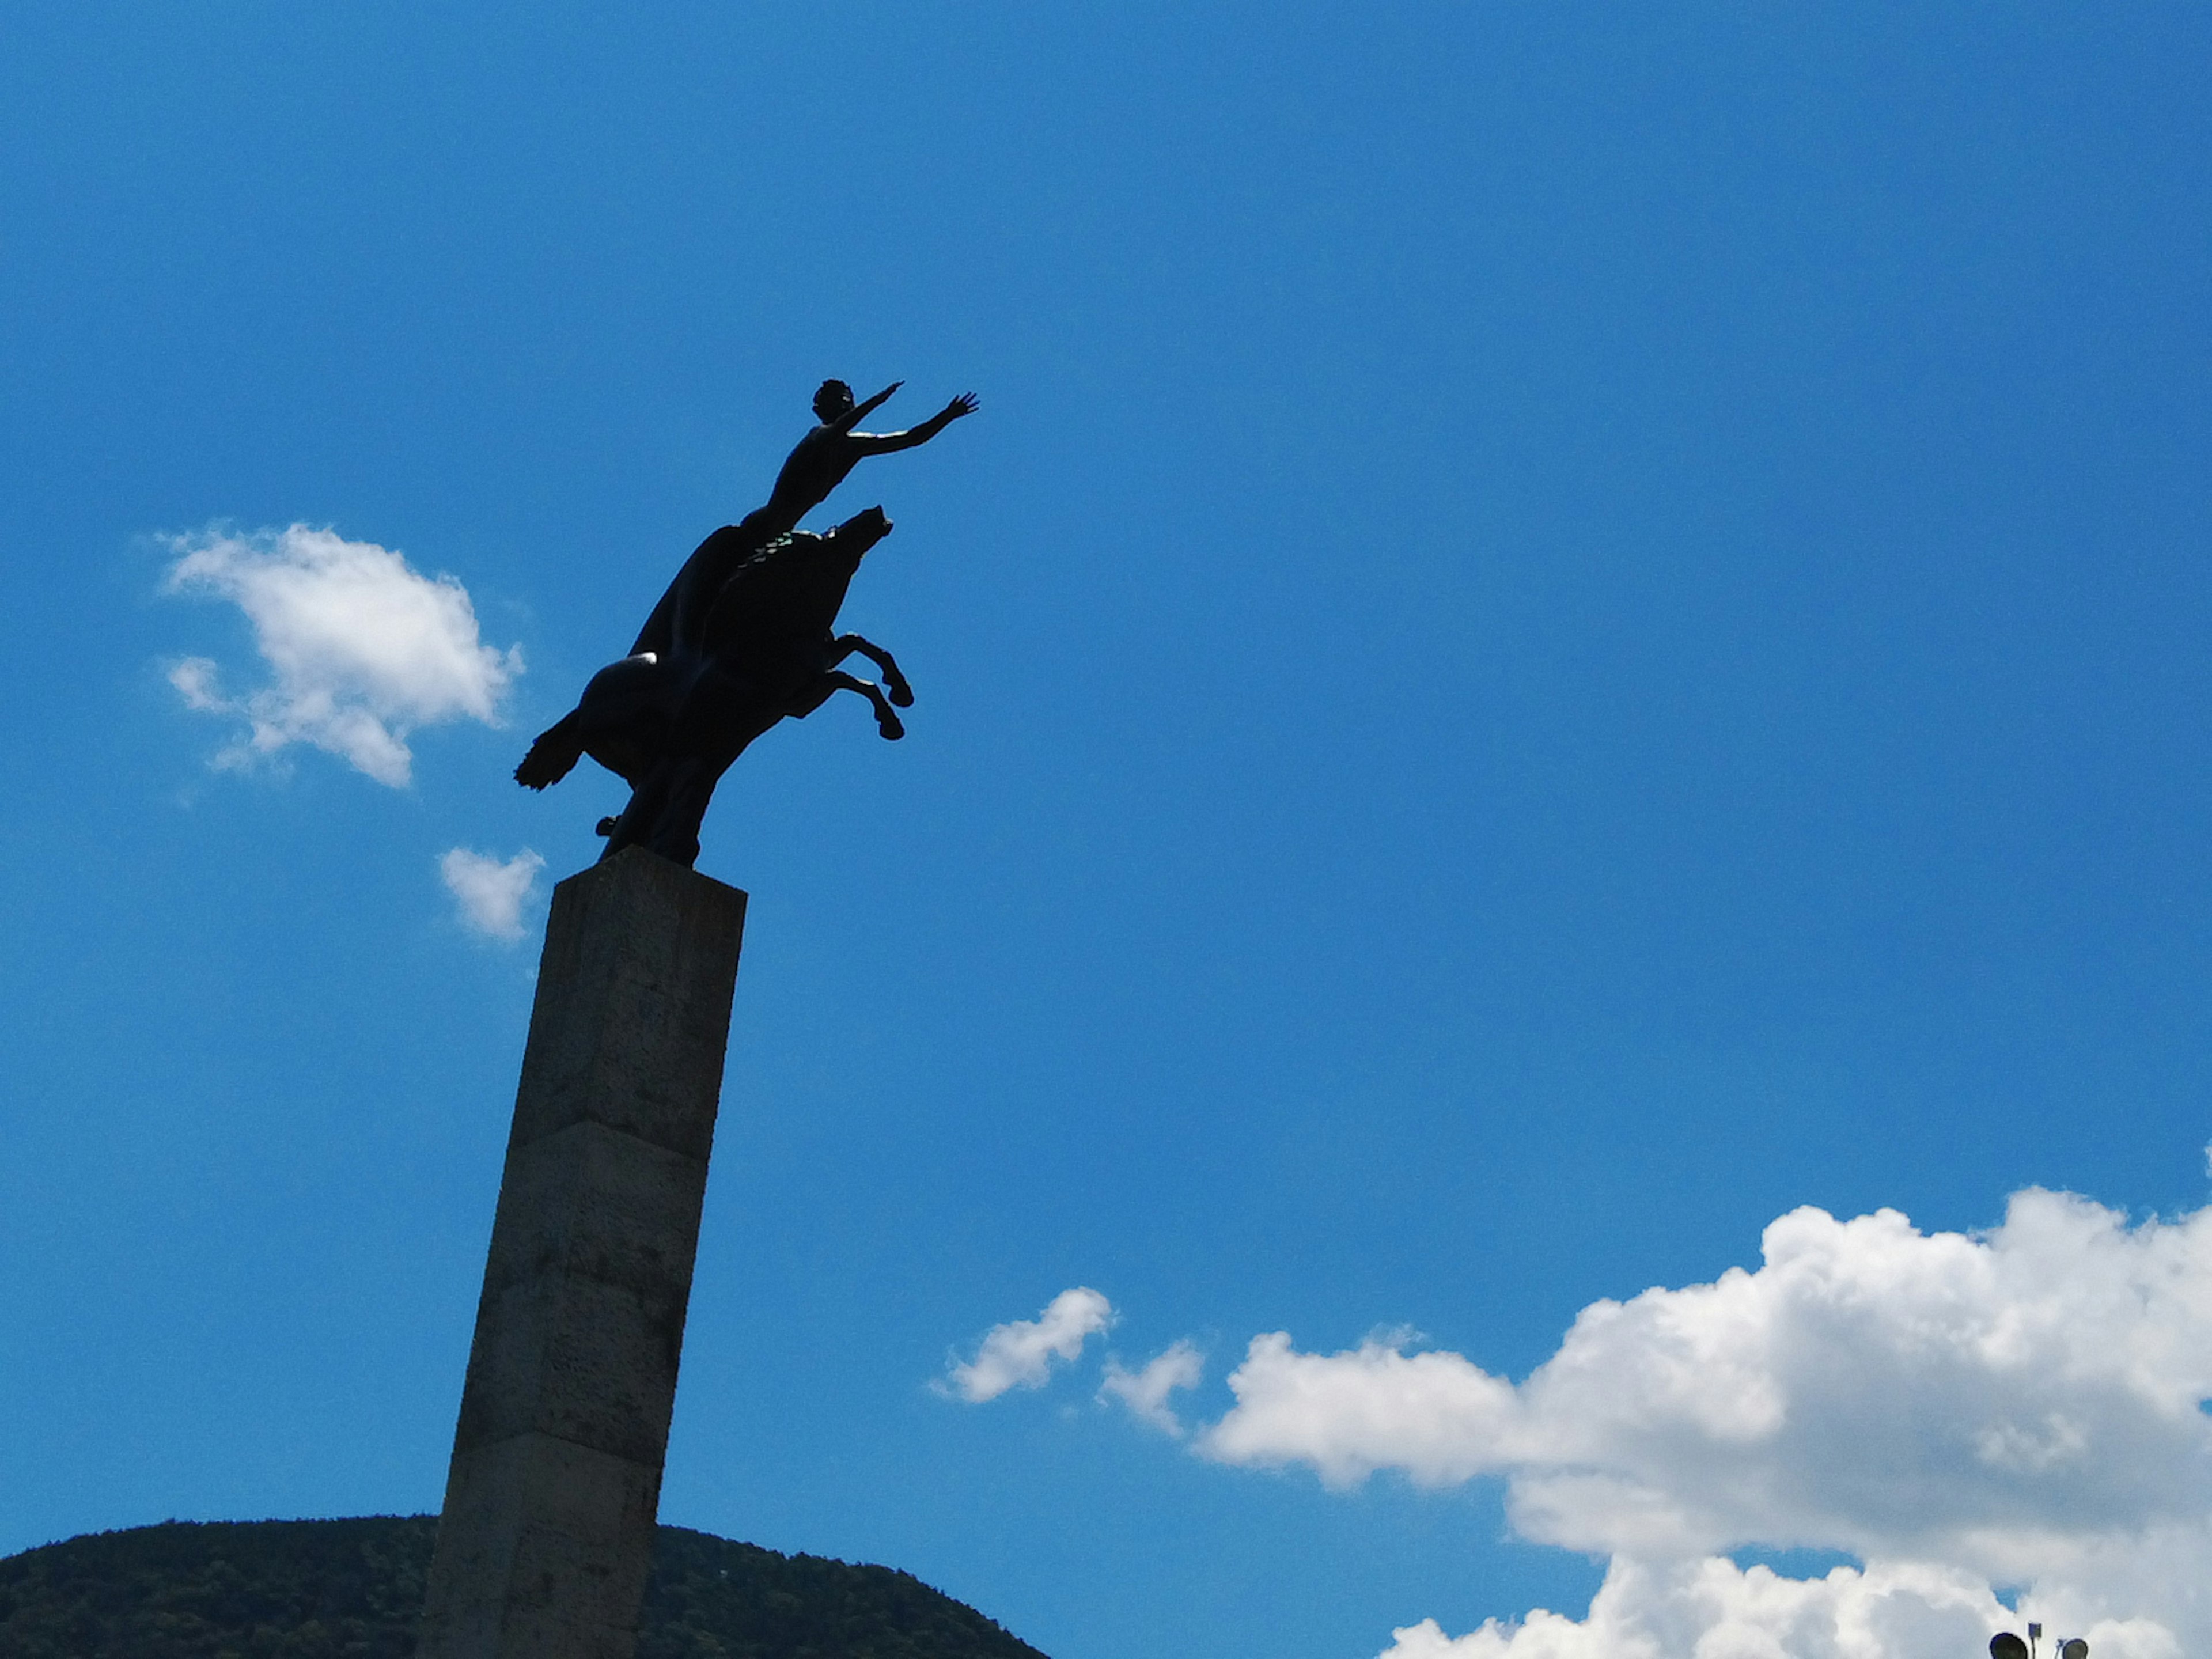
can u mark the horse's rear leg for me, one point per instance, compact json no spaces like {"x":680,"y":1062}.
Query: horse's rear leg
{"x":655,"y":802}
{"x":894,"y":682}
{"x":888,"y":724}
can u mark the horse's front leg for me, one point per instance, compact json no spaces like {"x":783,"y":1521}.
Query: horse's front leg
{"x":887,"y":723}
{"x":894,"y":682}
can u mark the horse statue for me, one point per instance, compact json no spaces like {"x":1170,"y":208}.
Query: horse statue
{"x":670,"y":723}
{"x":744,"y":637}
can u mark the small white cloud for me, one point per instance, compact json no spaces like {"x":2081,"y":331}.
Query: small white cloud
{"x":1437,"y":1416}
{"x":1019,"y":1354}
{"x":491,"y":895}
{"x":1146,"y":1392}
{"x":194,"y":679}
{"x":361,"y":648}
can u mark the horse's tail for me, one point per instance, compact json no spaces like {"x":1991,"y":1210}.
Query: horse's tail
{"x":554,"y":756}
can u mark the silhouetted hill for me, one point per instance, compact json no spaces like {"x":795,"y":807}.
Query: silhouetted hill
{"x":352,"y":1589}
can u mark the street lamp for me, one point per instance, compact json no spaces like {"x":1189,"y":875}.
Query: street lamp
{"x":2005,"y":1645}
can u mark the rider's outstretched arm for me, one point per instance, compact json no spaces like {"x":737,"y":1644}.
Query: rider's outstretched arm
{"x":860,"y":412}
{"x":883,"y":443}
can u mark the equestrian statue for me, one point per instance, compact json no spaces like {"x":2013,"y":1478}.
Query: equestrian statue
{"x":744,"y":636}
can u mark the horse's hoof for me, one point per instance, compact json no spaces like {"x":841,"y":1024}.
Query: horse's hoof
{"x":900,"y":693}
{"x":890,"y":730}
{"x":604,"y":827}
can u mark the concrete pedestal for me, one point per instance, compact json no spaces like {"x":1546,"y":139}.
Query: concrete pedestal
{"x":550,"y":1503}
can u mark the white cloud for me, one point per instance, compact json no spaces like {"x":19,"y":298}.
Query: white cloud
{"x":1146,"y":1392}
{"x":361,"y":648}
{"x":2019,"y":1407}
{"x":1019,"y":1354}
{"x":491,"y":895}
{"x":1714,"y":1607}
{"x":1436,"y":1416}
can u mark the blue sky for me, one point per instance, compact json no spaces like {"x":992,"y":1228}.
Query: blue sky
{"x":1564,"y":630}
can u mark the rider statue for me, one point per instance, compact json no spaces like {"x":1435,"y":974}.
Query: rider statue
{"x":818,"y":465}
{"x":745,"y":637}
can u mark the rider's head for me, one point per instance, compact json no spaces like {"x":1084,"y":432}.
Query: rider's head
{"x":834,"y":398}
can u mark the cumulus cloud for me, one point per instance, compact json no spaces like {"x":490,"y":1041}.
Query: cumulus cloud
{"x":1019,"y":1353}
{"x":1714,"y":1607}
{"x":361,"y":647}
{"x":2020,"y":1407}
{"x":489,"y":893}
{"x":1146,"y":1392}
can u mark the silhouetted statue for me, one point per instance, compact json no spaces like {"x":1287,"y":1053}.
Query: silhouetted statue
{"x":744,"y":637}
{"x":817,"y":465}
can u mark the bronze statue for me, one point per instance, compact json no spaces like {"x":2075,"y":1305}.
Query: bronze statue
{"x":744,"y":637}
{"x":817,"y":465}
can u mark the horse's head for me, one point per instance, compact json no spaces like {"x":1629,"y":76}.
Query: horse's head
{"x":861,"y":533}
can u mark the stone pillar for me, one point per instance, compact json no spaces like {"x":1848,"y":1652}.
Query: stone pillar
{"x":551,"y":1499}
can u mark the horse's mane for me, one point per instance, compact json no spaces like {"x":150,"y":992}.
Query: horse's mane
{"x":769,"y":551}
